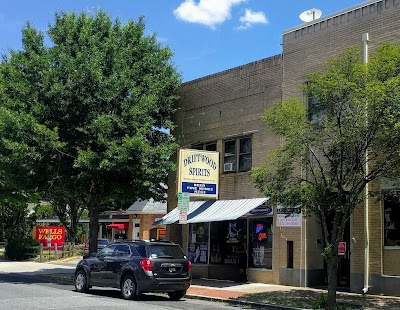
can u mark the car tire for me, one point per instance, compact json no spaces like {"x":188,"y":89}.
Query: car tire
{"x":81,"y":282}
{"x":176,"y":295}
{"x":128,"y":288}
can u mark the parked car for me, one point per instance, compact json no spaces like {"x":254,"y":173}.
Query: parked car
{"x":137,"y":267}
{"x":101,"y":243}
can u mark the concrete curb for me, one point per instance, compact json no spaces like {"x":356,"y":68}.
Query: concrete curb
{"x":237,"y":302}
{"x":64,"y":260}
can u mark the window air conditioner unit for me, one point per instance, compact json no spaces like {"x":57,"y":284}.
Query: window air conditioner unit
{"x":228,"y":167}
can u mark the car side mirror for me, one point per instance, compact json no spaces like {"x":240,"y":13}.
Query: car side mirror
{"x":94,"y":254}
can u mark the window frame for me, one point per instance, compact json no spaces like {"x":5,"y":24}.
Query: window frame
{"x":238,"y":154}
{"x":203,"y":146}
{"x":384,"y":221}
{"x":252,"y":240}
{"x":117,"y":253}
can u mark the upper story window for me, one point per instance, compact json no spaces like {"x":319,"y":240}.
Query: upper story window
{"x":391,"y":210}
{"x":237,"y":154}
{"x":210,"y":146}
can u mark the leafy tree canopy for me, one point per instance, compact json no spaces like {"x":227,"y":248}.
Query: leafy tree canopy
{"x":91,"y":111}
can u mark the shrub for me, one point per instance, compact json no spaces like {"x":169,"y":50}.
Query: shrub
{"x":32,"y":246}
{"x":15,"y":249}
{"x":321,"y":302}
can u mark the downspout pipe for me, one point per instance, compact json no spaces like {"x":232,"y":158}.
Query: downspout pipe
{"x":365,"y":39}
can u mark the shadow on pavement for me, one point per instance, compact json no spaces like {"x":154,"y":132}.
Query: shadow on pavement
{"x":116,"y":293}
{"x":304,"y":295}
{"x":28,"y":279}
{"x":216,"y":283}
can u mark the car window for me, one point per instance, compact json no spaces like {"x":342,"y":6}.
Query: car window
{"x":107,"y":251}
{"x":171,"y":251}
{"x":102,"y":242}
{"x":140,"y":250}
{"x":122,"y":250}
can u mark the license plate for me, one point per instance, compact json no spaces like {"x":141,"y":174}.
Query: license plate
{"x":172,"y":269}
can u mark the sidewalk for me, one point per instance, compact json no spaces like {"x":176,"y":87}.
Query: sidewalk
{"x":264,"y":295}
{"x":270,"y":294}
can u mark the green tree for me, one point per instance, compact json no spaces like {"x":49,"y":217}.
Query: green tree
{"x":107,"y":91}
{"x":346,"y":137}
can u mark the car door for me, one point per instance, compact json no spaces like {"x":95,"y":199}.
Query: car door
{"x":99,"y":269}
{"x":120,"y":257}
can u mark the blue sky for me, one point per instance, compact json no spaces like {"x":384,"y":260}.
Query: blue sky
{"x":206,"y":36}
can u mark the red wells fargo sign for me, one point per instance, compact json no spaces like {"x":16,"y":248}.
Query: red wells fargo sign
{"x":54,"y":234}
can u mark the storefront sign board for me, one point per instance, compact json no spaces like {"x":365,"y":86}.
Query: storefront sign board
{"x":50,"y":235}
{"x":262,"y":210}
{"x":198,"y":173}
{"x":287,"y":220}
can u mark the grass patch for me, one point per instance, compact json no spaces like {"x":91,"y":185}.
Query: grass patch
{"x":2,"y":253}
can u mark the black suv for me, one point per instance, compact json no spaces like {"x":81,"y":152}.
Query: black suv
{"x":101,"y":243}
{"x":137,"y":267}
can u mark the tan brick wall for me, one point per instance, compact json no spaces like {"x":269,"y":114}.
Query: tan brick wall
{"x":305,"y":50}
{"x":223,"y":105}
{"x":146,"y":224}
{"x":391,"y":266}
{"x":231,"y":102}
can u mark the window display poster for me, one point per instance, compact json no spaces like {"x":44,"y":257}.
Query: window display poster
{"x":260,"y":245}
{"x":391,"y":207}
{"x":198,"y":252}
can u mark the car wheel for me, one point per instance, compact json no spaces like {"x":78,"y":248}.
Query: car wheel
{"x":128,"y":288}
{"x":81,"y":283}
{"x":176,"y":295}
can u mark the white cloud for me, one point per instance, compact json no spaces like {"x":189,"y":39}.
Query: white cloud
{"x":249,"y":18}
{"x":206,"y":12}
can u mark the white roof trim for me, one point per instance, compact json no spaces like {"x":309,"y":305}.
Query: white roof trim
{"x":316,"y":21}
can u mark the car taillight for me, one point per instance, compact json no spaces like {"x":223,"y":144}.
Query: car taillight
{"x":189,"y":266}
{"x":86,"y":248}
{"x":146,"y":264}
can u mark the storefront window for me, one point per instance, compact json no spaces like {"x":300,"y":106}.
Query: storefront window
{"x":198,"y":243}
{"x":226,"y":241}
{"x":391,"y":207}
{"x":260,"y":243}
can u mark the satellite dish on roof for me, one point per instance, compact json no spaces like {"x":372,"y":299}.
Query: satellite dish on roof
{"x":310,"y":15}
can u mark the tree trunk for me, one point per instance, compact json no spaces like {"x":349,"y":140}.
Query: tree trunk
{"x":332,"y":269}
{"x":93,"y":224}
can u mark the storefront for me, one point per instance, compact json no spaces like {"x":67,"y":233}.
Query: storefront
{"x":226,"y":237}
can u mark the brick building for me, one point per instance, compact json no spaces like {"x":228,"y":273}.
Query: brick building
{"x":305,"y":49}
{"x":221,"y":112}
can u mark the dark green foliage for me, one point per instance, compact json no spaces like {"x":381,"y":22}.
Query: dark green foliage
{"x":84,"y":121}
{"x":15,"y":249}
{"x":22,"y":247}
{"x":17,"y":230}
{"x":321,"y":302}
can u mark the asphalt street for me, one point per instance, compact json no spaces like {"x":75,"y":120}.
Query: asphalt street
{"x":21,"y":292}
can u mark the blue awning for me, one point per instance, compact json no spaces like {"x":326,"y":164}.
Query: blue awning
{"x":195,"y":208}
{"x":225,"y":210}
{"x":214,"y":211}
